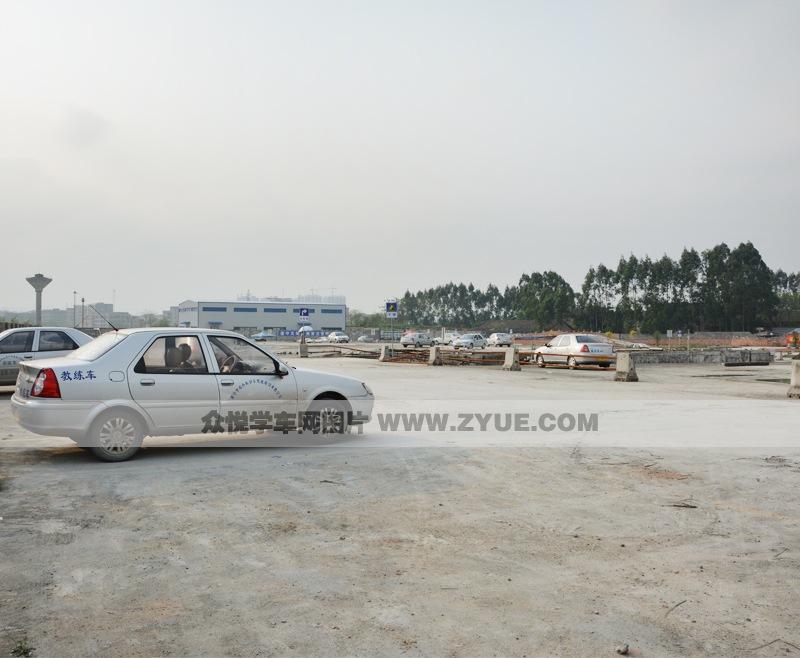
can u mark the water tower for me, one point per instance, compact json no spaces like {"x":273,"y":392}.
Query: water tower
{"x":39,"y":283}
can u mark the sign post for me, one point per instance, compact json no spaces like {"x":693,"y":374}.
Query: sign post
{"x":391,"y":313}
{"x":303,"y":316}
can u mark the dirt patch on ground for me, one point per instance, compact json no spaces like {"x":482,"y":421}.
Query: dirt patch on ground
{"x":364,"y":550}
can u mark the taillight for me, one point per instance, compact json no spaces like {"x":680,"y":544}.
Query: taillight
{"x":585,"y":348}
{"x":46,"y":385}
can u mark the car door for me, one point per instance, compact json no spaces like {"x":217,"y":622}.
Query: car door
{"x":53,"y":343}
{"x":174,"y":386}
{"x":565,"y":348}
{"x":256,"y":390}
{"x":556,"y":350}
{"x":15,"y":347}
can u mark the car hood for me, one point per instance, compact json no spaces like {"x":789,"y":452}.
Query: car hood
{"x":316,"y":381}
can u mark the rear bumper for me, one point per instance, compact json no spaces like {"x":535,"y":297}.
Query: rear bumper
{"x":53,"y":417}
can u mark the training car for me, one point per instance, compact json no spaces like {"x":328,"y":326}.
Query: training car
{"x":28,"y":343}
{"x":447,"y":338}
{"x":338,"y":337}
{"x":470,"y":341}
{"x":500,"y":340}
{"x":132,"y":383}
{"x":574,"y":350}
{"x":416,"y":339}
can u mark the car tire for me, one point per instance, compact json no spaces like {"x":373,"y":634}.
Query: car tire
{"x":540,"y":361}
{"x":572,"y":363}
{"x":116,"y":435}
{"x":327,"y":417}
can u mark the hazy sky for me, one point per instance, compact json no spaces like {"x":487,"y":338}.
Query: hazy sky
{"x":153,"y":152}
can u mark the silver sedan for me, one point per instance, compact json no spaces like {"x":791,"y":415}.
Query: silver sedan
{"x":574,"y":350}
{"x":125,"y":385}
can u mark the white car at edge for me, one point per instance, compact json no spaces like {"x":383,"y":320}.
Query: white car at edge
{"x":132,"y":383}
{"x":28,"y":343}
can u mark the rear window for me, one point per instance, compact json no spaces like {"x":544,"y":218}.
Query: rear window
{"x":96,"y":348}
{"x":53,"y":341}
{"x":589,"y":339}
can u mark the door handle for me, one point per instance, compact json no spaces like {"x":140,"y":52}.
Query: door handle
{"x":226,"y":382}
{"x":147,"y":382}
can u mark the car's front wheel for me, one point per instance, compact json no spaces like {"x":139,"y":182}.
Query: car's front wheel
{"x":572,"y":363}
{"x":116,"y":436}
{"x":540,"y":361}
{"x":327,"y":417}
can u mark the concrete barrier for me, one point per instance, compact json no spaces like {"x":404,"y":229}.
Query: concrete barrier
{"x":386,"y":353}
{"x":758,"y":357}
{"x":626,"y":368}
{"x":303,"y":350}
{"x":436,"y":356}
{"x":794,"y":384}
{"x":512,"y":359}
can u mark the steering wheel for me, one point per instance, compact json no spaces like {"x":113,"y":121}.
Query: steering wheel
{"x":229,"y":364}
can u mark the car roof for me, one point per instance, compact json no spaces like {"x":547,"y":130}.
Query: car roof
{"x":177,"y":330}
{"x":16,"y":329}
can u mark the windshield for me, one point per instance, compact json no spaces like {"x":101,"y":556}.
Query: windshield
{"x":589,"y":339}
{"x":96,"y":348}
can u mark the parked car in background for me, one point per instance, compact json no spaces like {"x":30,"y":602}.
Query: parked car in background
{"x":338,"y":337}
{"x":365,"y":339}
{"x":500,"y":340}
{"x":470,"y":341}
{"x":28,"y":343}
{"x":132,"y":383}
{"x":574,"y":350}
{"x":263,"y":335}
{"x":447,"y":338}
{"x":416,"y":340}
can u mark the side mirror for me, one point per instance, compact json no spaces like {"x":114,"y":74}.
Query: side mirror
{"x":281,"y":372}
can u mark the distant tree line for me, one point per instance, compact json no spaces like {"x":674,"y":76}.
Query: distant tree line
{"x":717,"y":290}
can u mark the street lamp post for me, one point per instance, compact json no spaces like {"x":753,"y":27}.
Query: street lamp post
{"x":74,"y":310}
{"x":83,"y":311}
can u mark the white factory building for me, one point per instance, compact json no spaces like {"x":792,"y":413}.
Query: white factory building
{"x":248,"y":318}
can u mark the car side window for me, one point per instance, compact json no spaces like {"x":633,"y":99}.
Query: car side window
{"x":21,"y":341}
{"x":173,"y":355}
{"x":52,"y":341}
{"x":237,"y":356}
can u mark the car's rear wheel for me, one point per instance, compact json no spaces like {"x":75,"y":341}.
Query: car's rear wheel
{"x":572,"y":363}
{"x":116,"y":436}
{"x":327,"y":417}
{"x":540,"y":361}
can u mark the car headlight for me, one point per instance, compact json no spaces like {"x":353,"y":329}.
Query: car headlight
{"x":367,"y":389}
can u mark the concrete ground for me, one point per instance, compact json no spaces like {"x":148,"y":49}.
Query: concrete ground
{"x":671,"y":528}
